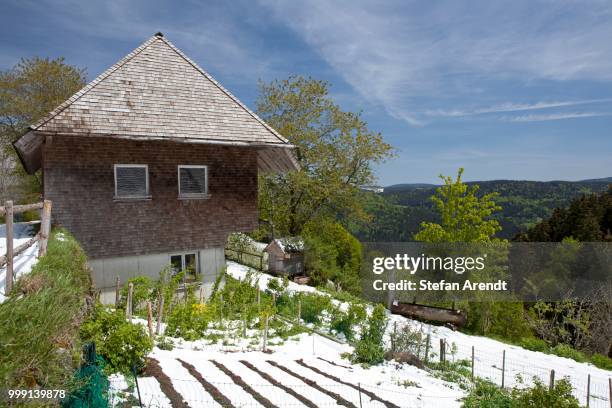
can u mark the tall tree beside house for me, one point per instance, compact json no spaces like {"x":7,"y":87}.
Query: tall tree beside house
{"x":335,"y":150}
{"x":28,"y":91}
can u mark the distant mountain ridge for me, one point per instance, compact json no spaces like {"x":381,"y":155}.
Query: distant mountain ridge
{"x":399,"y":210}
{"x":413,"y":186}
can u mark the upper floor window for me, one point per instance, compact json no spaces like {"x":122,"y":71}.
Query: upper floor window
{"x":193,"y":181}
{"x":131,"y":181}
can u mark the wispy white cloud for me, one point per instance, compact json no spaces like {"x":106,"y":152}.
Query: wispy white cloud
{"x":555,"y":116}
{"x":400,"y":53}
{"x":513,"y":107}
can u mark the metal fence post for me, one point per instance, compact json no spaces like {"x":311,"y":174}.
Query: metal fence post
{"x":588,"y":390}
{"x":472,"y":363}
{"x":503,"y":369}
{"x":359,"y":388}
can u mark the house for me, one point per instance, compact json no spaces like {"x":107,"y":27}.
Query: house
{"x":286,"y":256}
{"x":153,"y":163}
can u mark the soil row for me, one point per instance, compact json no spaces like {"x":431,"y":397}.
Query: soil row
{"x":358,"y":388}
{"x":210,"y":389}
{"x":339,"y":399}
{"x":241,"y":383}
{"x":272,"y":381}
{"x":153,"y":369}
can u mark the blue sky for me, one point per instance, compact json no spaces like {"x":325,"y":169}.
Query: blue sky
{"x":512,"y":90}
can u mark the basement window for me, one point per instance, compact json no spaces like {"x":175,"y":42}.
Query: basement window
{"x":187,"y":262}
{"x":131,"y":181}
{"x":193,"y":181}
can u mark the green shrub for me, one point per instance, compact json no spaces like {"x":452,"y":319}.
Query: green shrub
{"x":122,"y":344}
{"x":564,"y":350}
{"x":602,"y":361}
{"x":346,"y":322}
{"x":189,"y":320}
{"x":370,"y":348}
{"x":313,"y":307}
{"x":485,"y":394}
{"x":143,"y":291}
{"x":332,"y":253}
{"x":540,"y":395}
{"x":488,"y":395}
{"x":534,"y":344}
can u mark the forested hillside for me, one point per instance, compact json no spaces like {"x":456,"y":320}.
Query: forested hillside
{"x":398,"y":212}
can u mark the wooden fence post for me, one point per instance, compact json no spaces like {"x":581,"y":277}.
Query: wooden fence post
{"x":551,"y":383}
{"x":442,"y":351}
{"x":588,"y":390}
{"x":472,"y":363}
{"x":299,"y":312}
{"x":8,"y":214}
{"x":359,"y":388}
{"x":128,"y":307}
{"x":150,"y":318}
{"x":45,"y":227}
{"x":427,"y":345}
{"x":265,"y":337}
{"x":610,"y":391}
{"x":160,"y":311}
{"x":117,"y":290}
{"x":503,"y":369}
{"x":201,"y":295}
{"x":394,"y":337}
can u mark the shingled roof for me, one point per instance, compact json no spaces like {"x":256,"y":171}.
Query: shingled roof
{"x":157,"y":93}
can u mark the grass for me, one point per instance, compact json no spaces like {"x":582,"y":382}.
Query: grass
{"x":39,"y":341}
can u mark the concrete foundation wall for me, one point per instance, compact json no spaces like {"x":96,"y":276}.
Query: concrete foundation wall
{"x":106,"y":270}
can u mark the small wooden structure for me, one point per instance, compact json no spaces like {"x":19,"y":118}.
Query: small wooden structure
{"x":286,"y":256}
{"x":415,"y":311}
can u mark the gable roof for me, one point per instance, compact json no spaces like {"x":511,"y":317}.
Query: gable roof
{"x":157,"y":93}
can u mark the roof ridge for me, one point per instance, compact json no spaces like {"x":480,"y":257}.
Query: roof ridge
{"x":93,"y":83}
{"x":223,"y":89}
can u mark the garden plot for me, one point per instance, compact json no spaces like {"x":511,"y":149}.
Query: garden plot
{"x":255,"y":378}
{"x":488,"y":352}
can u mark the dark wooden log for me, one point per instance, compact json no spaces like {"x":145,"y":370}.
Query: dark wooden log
{"x":429,"y":313}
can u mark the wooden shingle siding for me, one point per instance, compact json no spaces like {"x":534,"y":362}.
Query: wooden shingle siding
{"x":79,"y":179}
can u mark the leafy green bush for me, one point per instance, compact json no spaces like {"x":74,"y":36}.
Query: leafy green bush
{"x":122,"y":344}
{"x":534,"y":344}
{"x":540,"y":395}
{"x":564,"y":350}
{"x":346,"y":322}
{"x":370,"y":348}
{"x":485,"y":394}
{"x":602,"y":361}
{"x":189,"y":320}
{"x":313,"y":307}
{"x":332,"y":253}
{"x":143,"y":291}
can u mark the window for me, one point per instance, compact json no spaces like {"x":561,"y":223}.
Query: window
{"x":131,"y":181}
{"x":187,"y":262}
{"x":193,"y":181}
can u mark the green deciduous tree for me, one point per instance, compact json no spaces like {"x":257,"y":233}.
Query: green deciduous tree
{"x":335,"y":150}
{"x":465,"y":217}
{"x":28,"y":91}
